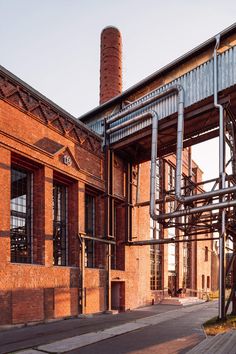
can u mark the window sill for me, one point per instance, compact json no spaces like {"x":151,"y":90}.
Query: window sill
{"x":95,"y":268}
{"x":27,"y":264}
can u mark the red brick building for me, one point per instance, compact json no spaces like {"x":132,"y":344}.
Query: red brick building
{"x":59,"y":256}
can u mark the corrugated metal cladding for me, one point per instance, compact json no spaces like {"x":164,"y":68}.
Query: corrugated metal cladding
{"x":197,"y":84}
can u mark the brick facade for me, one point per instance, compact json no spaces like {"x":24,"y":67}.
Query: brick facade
{"x":39,"y":137}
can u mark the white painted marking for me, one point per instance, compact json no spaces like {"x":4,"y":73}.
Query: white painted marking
{"x":30,"y":351}
{"x":68,"y":344}
{"x":128,"y":327}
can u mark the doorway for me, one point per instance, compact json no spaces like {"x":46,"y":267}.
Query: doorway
{"x":118,"y":295}
{"x":172,"y":284}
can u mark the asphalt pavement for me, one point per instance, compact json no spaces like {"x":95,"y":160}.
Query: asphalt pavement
{"x":155,"y":329}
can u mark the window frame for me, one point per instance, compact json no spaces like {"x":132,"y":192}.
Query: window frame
{"x":28,"y":216}
{"x":206,"y":258}
{"x":156,"y":251}
{"x":63,"y":223}
{"x":90,"y":255}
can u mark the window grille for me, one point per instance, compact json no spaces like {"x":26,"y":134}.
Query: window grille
{"x":59,"y":224}
{"x":171,"y":186}
{"x":90,"y":230}
{"x":21,"y":215}
{"x":156,"y":250}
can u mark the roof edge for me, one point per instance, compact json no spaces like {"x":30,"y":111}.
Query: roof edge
{"x":48,"y":101}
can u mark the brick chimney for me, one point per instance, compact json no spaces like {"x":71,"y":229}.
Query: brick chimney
{"x":110,"y":64}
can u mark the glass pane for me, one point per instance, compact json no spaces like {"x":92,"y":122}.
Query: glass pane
{"x":90,"y":230}
{"x":59,"y":224}
{"x":20,"y":216}
{"x":89,"y":214}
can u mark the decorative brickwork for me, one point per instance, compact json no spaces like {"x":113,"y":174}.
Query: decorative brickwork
{"x":29,"y":102}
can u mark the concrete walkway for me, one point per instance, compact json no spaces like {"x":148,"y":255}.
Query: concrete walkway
{"x":89,"y":338}
{"x":224,"y":343}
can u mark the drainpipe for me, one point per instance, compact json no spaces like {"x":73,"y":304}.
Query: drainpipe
{"x":222,"y":234}
{"x":108,"y":277}
{"x":82,"y":267}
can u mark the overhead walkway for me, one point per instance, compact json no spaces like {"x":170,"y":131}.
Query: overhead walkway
{"x":201,"y":118}
{"x":193,"y":102}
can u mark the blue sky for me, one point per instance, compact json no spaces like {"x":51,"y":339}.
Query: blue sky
{"x":53,"y":45}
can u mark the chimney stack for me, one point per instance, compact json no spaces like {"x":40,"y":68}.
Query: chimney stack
{"x":110,"y":64}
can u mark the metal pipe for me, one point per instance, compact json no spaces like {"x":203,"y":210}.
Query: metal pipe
{"x":179,"y":149}
{"x":175,"y":89}
{"x":179,"y":213}
{"x":169,"y":240}
{"x":180,"y":132}
{"x":82,"y":276}
{"x":128,"y":123}
{"x":102,"y":240}
{"x":153,"y":165}
{"x":180,"y":91}
{"x":211,"y":194}
{"x":190,"y":211}
{"x":109,"y":277}
{"x":222,"y":185}
{"x":130,"y":109}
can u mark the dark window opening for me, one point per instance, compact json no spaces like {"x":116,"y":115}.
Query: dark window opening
{"x":171,"y":185}
{"x":118,"y":250}
{"x":203,"y":281}
{"x":113,"y":257}
{"x":187,"y":265}
{"x":89,"y":230}
{"x":206,"y":254}
{"x":59,"y":224}
{"x":208,"y":282}
{"x":21,"y":215}
{"x":114,"y":247}
{"x":155,"y":233}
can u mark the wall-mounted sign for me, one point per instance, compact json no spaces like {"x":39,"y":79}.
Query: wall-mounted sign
{"x":67,"y":160}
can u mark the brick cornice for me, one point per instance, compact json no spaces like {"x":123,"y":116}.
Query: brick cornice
{"x":29,"y":101}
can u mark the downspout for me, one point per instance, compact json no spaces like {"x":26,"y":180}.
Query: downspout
{"x":222,"y":235}
{"x":82,"y":273}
